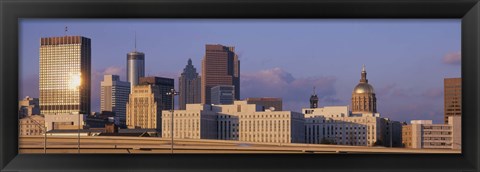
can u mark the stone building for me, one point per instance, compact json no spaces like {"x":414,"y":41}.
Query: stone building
{"x":143,"y":108}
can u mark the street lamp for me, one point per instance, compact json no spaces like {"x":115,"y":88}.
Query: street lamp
{"x":172,"y":93}
{"x":76,"y":82}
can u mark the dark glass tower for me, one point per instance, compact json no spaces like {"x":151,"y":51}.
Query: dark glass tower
{"x":189,"y":84}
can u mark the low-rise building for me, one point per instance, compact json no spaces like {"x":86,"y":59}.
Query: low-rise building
{"x":32,"y":125}
{"x":424,"y":134}
{"x":64,"y":121}
{"x":337,"y":125}
{"x":198,"y":121}
{"x":249,"y":122}
{"x":28,"y":106}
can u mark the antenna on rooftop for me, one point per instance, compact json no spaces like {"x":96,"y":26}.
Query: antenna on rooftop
{"x":66,"y":30}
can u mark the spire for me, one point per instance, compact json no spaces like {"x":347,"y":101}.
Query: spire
{"x":364,"y":79}
{"x":135,"y":41}
{"x":189,"y":61}
{"x":314,"y":99}
{"x":66,"y":30}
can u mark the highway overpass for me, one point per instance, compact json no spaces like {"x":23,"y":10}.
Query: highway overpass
{"x":146,"y":145}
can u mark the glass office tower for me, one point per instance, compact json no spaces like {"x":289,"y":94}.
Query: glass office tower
{"x":65,"y":68}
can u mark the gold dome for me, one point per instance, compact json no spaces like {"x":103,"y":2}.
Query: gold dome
{"x":363,"y":88}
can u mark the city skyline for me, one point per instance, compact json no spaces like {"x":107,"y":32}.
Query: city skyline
{"x":334,"y":87}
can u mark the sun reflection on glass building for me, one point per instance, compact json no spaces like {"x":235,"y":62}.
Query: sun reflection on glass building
{"x":65,"y":68}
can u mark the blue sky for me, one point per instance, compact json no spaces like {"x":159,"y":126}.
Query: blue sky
{"x":406,"y":60}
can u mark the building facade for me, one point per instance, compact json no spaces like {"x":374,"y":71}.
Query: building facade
{"x":164,"y":85}
{"x":143,"y":108}
{"x":452,"y":97}
{"x":32,"y":125}
{"x":28,"y":106}
{"x":238,"y":121}
{"x":423,"y":134}
{"x":196,"y":122}
{"x":70,"y":121}
{"x":220,"y":66}
{"x":135,"y":67}
{"x":114,"y":97}
{"x":65,"y":69}
{"x":189,"y":84}
{"x":222,"y":94}
{"x":266,"y":102}
{"x":336,"y":125}
{"x":248,"y":122}
{"x":363,"y":96}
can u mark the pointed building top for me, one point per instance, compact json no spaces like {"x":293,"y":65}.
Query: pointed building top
{"x":135,"y":42}
{"x":364,"y":79}
{"x":189,"y":61}
{"x":314,"y":93}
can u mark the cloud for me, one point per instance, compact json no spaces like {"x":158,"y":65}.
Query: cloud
{"x":433,"y":93}
{"x":114,"y":70}
{"x":454,"y":58}
{"x":295,"y":92}
{"x":393,"y":91}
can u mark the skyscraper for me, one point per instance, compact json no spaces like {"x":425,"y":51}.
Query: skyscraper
{"x":452,"y":97}
{"x":220,"y":66}
{"x":135,"y":66}
{"x":114,"y":96}
{"x":163,"y":85}
{"x":189,"y":86}
{"x":65,"y":68}
{"x":143,"y":108}
{"x":363,"y":96}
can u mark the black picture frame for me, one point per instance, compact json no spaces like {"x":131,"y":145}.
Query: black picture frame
{"x":467,"y":10}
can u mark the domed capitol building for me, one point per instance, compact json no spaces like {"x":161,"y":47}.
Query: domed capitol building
{"x":363,"y":96}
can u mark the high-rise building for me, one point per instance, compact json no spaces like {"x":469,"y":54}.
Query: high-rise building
{"x":452,"y":97}
{"x":189,"y":84}
{"x":114,"y":96}
{"x":28,"y":106}
{"x":143,"y":108}
{"x":222,"y":94}
{"x":135,"y":67}
{"x":65,"y":68}
{"x":266,"y":102}
{"x":164,"y":85}
{"x":220,"y":66}
{"x":363,"y":96}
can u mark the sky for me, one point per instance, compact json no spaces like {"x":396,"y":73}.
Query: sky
{"x":406,"y":60}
